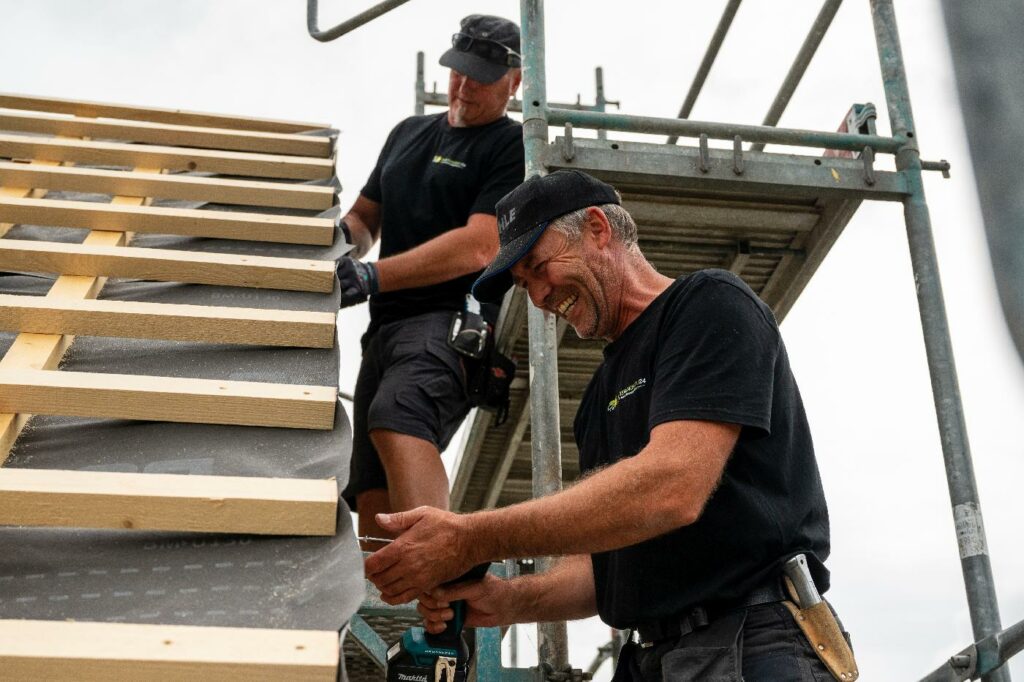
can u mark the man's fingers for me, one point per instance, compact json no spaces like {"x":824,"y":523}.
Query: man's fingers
{"x":434,"y":628}
{"x":380,"y":561}
{"x":470,"y":590}
{"x":395,"y":588}
{"x":430,"y":602}
{"x":400,"y":521}
{"x":396,"y":577}
{"x":435,"y":615}
{"x":400,"y":597}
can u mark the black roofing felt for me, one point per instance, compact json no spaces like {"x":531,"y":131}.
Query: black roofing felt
{"x":175,"y":578}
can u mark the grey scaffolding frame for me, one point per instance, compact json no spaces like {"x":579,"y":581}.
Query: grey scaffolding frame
{"x":754,"y":168}
{"x":975,"y":562}
{"x":425,"y":98}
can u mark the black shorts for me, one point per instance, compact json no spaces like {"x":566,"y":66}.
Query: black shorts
{"x":410,"y":382}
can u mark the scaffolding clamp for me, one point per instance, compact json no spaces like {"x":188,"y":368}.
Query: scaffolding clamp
{"x":868,"y":157}
{"x":568,"y":148}
{"x":942,"y":166}
{"x":704,"y":158}
{"x":737,"y":155}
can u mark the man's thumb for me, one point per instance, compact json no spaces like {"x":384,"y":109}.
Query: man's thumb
{"x":396,"y":522}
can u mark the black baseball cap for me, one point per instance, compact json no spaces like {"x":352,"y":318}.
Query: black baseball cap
{"x":484,"y":49}
{"x":525,"y":212}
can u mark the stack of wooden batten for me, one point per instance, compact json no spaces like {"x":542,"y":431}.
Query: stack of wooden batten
{"x":56,"y":145}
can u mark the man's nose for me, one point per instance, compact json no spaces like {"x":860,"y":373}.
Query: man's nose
{"x":467,"y":84}
{"x":538,"y":292}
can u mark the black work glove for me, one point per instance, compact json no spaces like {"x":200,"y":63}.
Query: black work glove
{"x":358,"y":281}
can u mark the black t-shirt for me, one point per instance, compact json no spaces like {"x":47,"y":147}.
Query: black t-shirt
{"x":706,"y":349}
{"x":429,"y":179}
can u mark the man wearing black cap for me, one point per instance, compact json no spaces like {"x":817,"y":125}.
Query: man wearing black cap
{"x":700,"y":480}
{"x":431,"y":201}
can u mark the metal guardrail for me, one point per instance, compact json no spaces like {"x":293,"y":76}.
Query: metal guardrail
{"x":366,"y":16}
{"x":981,"y":658}
{"x":724,"y":131}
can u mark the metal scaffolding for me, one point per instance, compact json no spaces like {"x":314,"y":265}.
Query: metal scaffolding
{"x":695,"y":195}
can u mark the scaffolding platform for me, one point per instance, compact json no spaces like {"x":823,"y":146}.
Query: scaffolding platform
{"x":772,"y":223}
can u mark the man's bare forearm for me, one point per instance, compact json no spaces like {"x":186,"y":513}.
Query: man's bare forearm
{"x":449,"y":255}
{"x":362,"y":238}
{"x":565,"y":592}
{"x":655,"y":492}
{"x":363,"y":221}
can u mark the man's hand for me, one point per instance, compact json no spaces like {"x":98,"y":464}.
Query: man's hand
{"x":490,"y":602}
{"x":358,"y":281}
{"x":432,"y":547}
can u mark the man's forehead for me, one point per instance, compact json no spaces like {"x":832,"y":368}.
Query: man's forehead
{"x":525,"y":262}
{"x":455,"y":73}
{"x":548,"y":243}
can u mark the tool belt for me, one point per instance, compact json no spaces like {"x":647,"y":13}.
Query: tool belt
{"x":819,"y":625}
{"x":648,"y":634}
{"x":489,"y":374}
{"x":488,"y":382}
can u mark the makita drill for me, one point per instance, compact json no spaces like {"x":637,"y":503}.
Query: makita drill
{"x":422,"y":657}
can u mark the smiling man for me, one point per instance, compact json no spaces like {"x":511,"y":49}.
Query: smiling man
{"x":700,"y":477}
{"x":431,"y":202}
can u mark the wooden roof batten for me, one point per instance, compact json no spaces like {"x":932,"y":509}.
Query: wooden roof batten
{"x":43,"y":147}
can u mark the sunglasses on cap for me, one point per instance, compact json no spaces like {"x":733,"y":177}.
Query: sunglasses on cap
{"x":490,"y":50}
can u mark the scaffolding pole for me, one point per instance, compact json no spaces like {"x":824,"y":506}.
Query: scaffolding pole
{"x":800,"y":64}
{"x":421,"y":85}
{"x":552,"y":638}
{"x":963,"y":491}
{"x":710,"y":54}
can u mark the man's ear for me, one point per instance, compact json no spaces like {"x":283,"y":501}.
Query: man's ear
{"x":597,"y":228}
{"x":514,"y":81}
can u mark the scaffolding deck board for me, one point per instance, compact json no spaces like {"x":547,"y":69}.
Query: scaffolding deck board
{"x":772,"y":225}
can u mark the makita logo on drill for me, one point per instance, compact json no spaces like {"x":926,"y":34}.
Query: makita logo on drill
{"x":504,"y":220}
{"x":412,"y":678}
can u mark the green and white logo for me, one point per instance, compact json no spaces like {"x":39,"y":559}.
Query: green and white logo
{"x":626,"y":392}
{"x":448,"y":162}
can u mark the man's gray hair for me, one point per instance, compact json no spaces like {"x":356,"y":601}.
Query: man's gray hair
{"x":623,"y":225}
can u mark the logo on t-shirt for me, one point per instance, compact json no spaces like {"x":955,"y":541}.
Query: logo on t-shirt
{"x":626,"y":392}
{"x":448,"y":162}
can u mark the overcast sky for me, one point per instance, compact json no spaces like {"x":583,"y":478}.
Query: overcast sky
{"x":854,"y":336}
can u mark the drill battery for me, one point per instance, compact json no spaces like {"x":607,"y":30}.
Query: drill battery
{"x":420,"y":657}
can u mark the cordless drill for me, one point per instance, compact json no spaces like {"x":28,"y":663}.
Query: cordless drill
{"x":422,"y":657}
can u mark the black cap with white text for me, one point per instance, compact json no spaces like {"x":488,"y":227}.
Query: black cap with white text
{"x":523,"y":215}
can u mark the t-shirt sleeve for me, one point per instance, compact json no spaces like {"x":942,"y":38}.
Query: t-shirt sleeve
{"x":372,"y":189}
{"x":717,"y":359}
{"x":507,"y":170}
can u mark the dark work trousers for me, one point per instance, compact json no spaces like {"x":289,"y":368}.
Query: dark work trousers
{"x":756,"y":644}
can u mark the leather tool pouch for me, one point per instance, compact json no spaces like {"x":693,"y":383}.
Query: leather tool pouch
{"x":819,"y":625}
